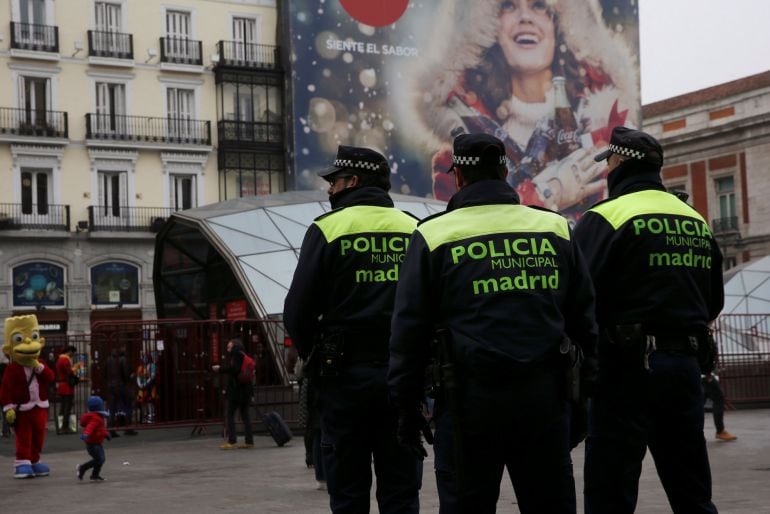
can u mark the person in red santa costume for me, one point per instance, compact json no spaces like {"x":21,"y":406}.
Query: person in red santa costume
{"x":24,"y":393}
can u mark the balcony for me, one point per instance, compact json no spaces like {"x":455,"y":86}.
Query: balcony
{"x":110,"y":45}
{"x":248,"y":55}
{"x":149,"y":131}
{"x":127,"y":219}
{"x":175,"y":50}
{"x":20,"y":216}
{"x":32,"y":123}
{"x":34,"y":37}
{"x":724,"y":226}
{"x":231,"y":132}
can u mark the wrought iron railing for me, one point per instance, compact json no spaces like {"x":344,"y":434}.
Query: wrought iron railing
{"x":119,"y":127}
{"x":744,"y":357}
{"x":249,"y":55}
{"x":229,"y":131}
{"x":115,"y":45}
{"x":119,"y":218}
{"x":44,"y":216}
{"x":32,"y":36}
{"x":725,"y":225}
{"x":181,"y":51}
{"x":36,"y":123}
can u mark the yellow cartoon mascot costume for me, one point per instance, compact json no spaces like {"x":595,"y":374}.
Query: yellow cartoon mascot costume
{"x":24,"y":393}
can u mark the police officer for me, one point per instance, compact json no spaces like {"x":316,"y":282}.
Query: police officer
{"x":657,"y":273}
{"x":338,"y":309}
{"x":505,"y":283}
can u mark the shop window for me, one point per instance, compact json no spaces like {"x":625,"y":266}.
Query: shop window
{"x":114,"y":283}
{"x":38,"y":284}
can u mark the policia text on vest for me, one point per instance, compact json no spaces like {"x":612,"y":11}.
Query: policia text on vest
{"x":381,"y":250}
{"x":682,"y":234}
{"x":532,"y":261}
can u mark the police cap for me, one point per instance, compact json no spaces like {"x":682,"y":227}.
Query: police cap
{"x":359,"y":159}
{"x":633,"y":144}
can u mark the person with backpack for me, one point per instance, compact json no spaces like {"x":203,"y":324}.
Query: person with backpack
{"x":239,"y":369}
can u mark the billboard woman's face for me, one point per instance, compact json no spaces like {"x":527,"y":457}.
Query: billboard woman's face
{"x":527,"y":35}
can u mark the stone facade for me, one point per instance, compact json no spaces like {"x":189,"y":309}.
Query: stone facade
{"x":108,"y":124}
{"x":716,"y":145}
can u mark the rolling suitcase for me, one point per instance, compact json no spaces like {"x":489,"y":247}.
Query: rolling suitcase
{"x":277,"y":427}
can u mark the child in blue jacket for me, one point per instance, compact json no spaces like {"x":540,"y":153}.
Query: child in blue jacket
{"x":94,"y":434}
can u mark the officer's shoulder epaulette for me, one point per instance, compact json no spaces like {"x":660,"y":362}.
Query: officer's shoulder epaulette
{"x":432,"y":216}
{"x":333,"y":211}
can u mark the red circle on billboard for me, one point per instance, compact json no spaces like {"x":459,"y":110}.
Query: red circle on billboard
{"x":376,"y":13}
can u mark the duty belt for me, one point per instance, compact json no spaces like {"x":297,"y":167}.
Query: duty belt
{"x":679,"y":343}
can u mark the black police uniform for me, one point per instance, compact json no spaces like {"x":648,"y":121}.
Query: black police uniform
{"x":507,"y":283}
{"x":657,"y":273}
{"x":343,"y":290}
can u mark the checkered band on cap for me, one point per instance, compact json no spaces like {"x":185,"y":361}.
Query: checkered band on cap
{"x":628,"y":152}
{"x":462,"y":160}
{"x":349,"y":163}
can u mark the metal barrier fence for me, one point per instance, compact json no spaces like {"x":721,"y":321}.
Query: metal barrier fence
{"x":744,"y":357}
{"x":170,"y":381}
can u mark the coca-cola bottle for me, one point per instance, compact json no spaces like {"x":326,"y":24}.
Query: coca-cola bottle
{"x":566,"y":137}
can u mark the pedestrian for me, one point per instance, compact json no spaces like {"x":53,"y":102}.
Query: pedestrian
{"x":65,"y":387}
{"x":238,"y":395}
{"x":658,"y":276}
{"x":119,"y":377}
{"x":337,"y":313}
{"x":94,"y":434}
{"x":504,"y":284}
{"x":713,"y":391}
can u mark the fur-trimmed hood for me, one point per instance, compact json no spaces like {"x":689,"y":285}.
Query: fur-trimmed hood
{"x":464,"y":30}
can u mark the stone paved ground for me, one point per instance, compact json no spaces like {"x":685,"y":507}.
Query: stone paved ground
{"x":169,"y":471}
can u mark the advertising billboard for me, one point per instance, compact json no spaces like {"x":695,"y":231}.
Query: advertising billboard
{"x":551,"y":78}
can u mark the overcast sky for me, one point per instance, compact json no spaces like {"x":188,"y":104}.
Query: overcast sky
{"x":688,"y":45}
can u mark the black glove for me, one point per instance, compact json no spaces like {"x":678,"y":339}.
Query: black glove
{"x":411,"y":425}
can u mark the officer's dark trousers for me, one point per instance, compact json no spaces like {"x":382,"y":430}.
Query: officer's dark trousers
{"x":358,"y":426}
{"x":634,"y":409}
{"x":521,"y":426}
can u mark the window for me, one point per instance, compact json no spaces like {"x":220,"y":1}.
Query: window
{"x":38,"y":284}
{"x":35,"y":190}
{"x":114,"y":283}
{"x":183,"y":192}
{"x":112,"y":194}
{"x":32,"y":22}
{"x":32,"y":11}
{"x":178,"y":45}
{"x":726,"y":217}
{"x":35,"y":98}
{"x":180,"y":108}
{"x":110,"y":108}
{"x":725,"y":189}
{"x":245,"y":36}
{"x":108,"y":25}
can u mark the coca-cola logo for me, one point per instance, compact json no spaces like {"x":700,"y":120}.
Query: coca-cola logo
{"x":567,"y":136}
{"x":376,"y":13}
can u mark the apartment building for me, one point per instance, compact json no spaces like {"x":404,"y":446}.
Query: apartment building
{"x":113,"y":114}
{"x":716,"y":143}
